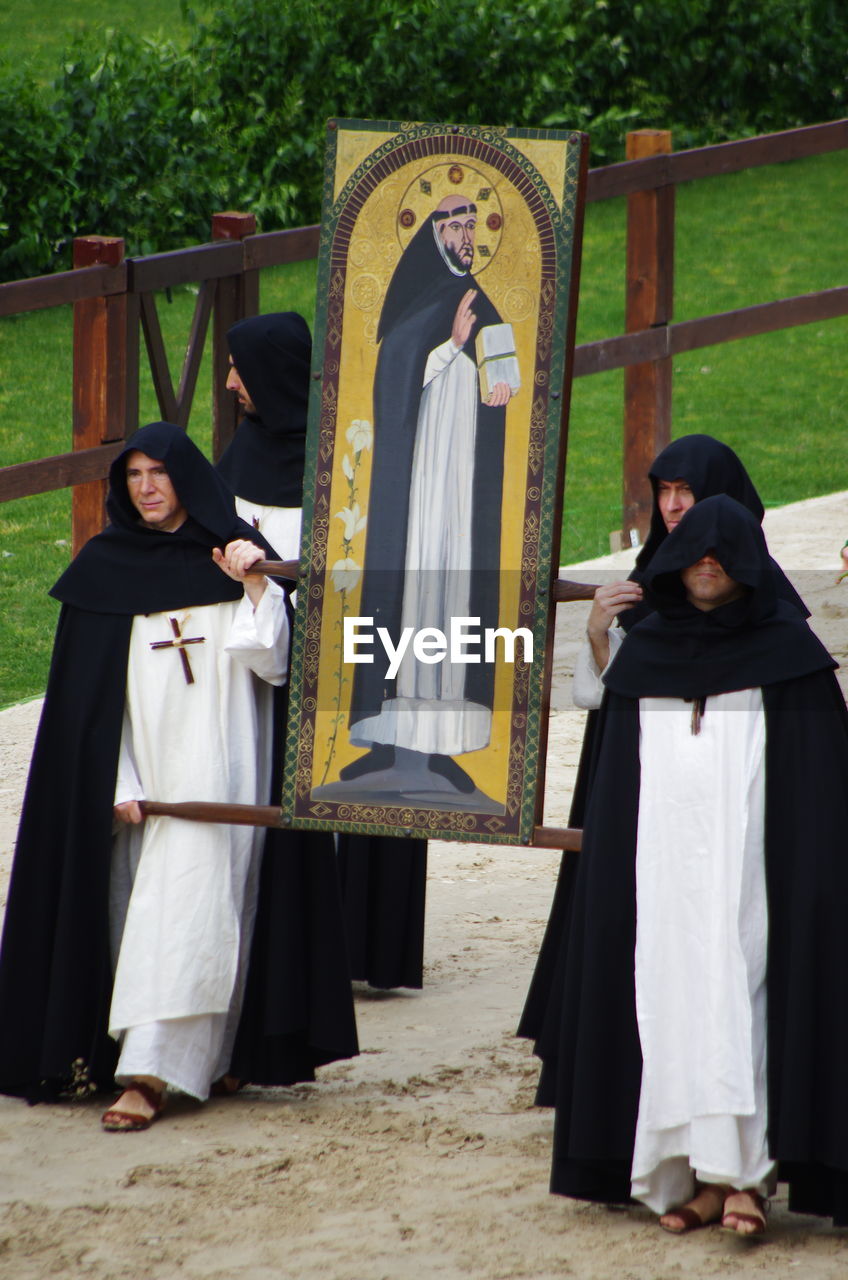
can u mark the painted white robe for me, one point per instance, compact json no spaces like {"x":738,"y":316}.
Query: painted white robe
{"x":430,"y":712}
{"x":183,"y":894}
{"x":701,"y":938}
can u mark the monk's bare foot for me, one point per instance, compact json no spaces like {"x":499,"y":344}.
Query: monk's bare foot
{"x":226,"y":1086}
{"x":705,"y":1207}
{"x":142,"y":1102}
{"x":745,"y":1213}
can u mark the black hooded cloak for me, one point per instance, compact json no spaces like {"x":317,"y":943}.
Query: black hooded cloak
{"x":710,"y":467}
{"x":383,"y":879}
{"x":264,"y":461}
{"x":55,"y":967}
{"x":590,"y":1043}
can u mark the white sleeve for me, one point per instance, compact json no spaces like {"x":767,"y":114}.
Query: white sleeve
{"x":439,"y":359}
{"x":259,"y":638}
{"x":127,"y":784}
{"x":587,"y":687}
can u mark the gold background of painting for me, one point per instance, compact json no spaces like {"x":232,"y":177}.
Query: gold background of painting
{"x":511,"y":279}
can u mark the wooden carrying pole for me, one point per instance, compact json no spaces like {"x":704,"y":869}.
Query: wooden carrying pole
{"x":249,"y":815}
{"x":563,"y":589}
{"x":268,"y":815}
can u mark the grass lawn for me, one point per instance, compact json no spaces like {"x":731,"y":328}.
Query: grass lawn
{"x":779,"y":400}
{"x":37,"y":36}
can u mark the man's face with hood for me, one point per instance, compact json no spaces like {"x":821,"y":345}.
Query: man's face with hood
{"x":235,"y":383}
{"x":456,"y":223}
{"x":152,"y":493}
{"x":708,"y":586}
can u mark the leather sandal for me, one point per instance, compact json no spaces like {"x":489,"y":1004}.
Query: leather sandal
{"x":116,"y":1120}
{"x":756,"y":1221}
{"x":690,"y":1218}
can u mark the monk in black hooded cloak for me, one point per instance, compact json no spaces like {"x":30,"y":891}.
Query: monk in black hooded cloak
{"x":56,"y":972}
{"x":701,"y":1038}
{"x":383,"y":879}
{"x":270,"y":357}
{"x":688,"y":470}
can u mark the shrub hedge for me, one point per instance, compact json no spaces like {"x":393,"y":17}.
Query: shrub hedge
{"x":145,"y":139}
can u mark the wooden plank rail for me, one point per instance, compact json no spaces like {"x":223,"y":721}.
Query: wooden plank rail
{"x":628,"y":176}
{"x":24,"y":479}
{"x":709,"y":331}
{"x":18,"y":296}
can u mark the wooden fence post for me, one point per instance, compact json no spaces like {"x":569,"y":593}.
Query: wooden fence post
{"x":235,"y":298}
{"x":649,"y":304}
{"x":105,"y":380}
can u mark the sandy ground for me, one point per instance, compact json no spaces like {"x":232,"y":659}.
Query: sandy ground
{"x":424,"y":1157}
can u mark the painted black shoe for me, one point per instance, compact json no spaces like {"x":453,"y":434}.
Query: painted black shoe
{"x":446,"y":767}
{"x":379,"y":757}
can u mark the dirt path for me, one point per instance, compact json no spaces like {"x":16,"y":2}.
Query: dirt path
{"x":424,"y":1157}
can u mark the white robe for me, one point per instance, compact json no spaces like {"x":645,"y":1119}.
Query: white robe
{"x":183,"y":894}
{"x":430,"y":712}
{"x":279,"y":525}
{"x":701,"y":939}
{"x":587,"y":685}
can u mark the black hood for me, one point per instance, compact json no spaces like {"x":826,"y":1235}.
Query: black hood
{"x":709,"y":467}
{"x":685,"y":652}
{"x":264,"y":461}
{"x":130,"y":568}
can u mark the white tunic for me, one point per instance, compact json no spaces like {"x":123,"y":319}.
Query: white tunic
{"x":279,"y":525}
{"x":587,"y":686}
{"x":183,"y":894}
{"x":701,"y":937}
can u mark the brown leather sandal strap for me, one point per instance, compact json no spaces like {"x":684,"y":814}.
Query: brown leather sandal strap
{"x":154,"y":1098}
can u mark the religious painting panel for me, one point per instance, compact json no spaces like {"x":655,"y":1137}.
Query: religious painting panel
{"x":443,"y":340}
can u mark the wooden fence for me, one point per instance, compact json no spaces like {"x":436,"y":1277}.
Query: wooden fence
{"x":114,"y":305}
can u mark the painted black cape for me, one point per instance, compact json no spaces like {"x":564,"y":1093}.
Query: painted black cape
{"x":55,"y":969}
{"x":417,"y":317}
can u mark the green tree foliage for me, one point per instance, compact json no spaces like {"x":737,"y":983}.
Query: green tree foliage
{"x":138,"y":138}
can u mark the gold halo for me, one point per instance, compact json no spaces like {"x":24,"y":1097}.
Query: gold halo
{"x":453,"y":177}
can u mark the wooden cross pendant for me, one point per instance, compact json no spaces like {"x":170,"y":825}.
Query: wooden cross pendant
{"x":179,"y":641}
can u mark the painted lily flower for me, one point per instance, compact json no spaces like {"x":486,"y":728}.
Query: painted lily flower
{"x":360,"y":434}
{"x":352,"y":520}
{"x":345,"y":574}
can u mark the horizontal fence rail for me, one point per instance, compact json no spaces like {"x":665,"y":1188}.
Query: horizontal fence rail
{"x":299,"y":244}
{"x":217,"y":264}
